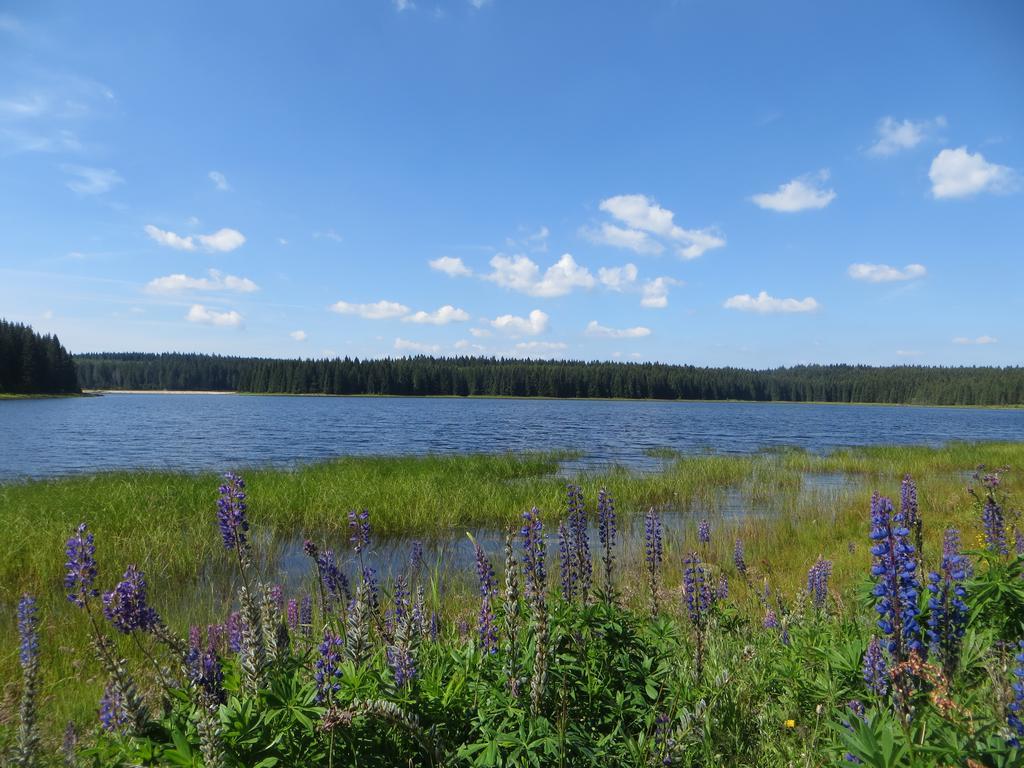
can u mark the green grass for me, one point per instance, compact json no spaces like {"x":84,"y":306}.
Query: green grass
{"x":165,"y":523}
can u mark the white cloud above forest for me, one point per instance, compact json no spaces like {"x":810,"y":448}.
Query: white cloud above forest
{"x":883,"y":273}
{"x":377,"y":310}
{"x":765,"y":304}
{"x":801,"y":194}
{"x":201,"y":314}
{"x":533,"y":324}
{"x":214,"y":282}
{"x":596,"y":330}
{"x":222,"y":241}
{"x":958,"y":173}
{"x":441,"y":316}
{"x":649,"y":229}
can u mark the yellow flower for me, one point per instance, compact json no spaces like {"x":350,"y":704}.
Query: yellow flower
{"x":791,"y":723}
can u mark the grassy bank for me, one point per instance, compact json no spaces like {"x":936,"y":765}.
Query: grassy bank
{"x":165,"y":523}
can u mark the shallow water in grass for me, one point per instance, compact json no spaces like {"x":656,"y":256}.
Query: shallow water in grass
{"x":46,"y":438}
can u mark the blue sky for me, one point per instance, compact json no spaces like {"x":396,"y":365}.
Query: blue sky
{"x":722,"y":183}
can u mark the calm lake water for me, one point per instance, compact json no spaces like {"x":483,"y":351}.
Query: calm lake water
{"x":45,"y":438}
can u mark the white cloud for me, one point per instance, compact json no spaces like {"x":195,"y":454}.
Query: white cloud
{"x":541,"y":347}
{"x":896,"y":135}
{"x":170,"y":239}
{"x":328,"y":234}
{"x":617,"y":278}
{"x":800,"y":194}
{"x":223,"y":240}
{"x":765,"y":304}
{"x":883,"y":273}
{"x":655,"y":292}
{"x":404,"y":5}
{"x":958,"y":173}
{"x":479,"y":333}
{"x":478,"y":4}
{"x":282,"y":241}
{"x":464,"y":344}
{"x":299,"y":335}
{"x":644,"y":215}
{"x":521,"y":273}
{"x":215,"y":282}
{"x":597,"y":330}
{"x":451,"y":266}
{"x":404,"y":345}
{"x":91,"y":181}
{"x":200,"y":314}
{"x":443,"y":316}
{"x":532,"y":325}
{"x":219,"y":180}
{"x":48,"y":314}
{"x":976,"y":340}
{"x":378,"y":310}
{"x":618,"y":237}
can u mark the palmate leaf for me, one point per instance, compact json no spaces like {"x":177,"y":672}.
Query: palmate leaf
{"x":877,"y":742}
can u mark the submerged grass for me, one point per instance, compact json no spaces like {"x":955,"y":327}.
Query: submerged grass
{"x":165,"y":523}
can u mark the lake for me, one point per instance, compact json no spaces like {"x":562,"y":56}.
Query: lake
{"x":47,"y":438}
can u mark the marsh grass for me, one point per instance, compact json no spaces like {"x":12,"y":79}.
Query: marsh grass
{"x":165,"y":523}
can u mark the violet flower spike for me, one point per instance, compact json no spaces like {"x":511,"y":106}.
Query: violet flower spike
{"x":231,"y":513}
{"x":80,"y":567}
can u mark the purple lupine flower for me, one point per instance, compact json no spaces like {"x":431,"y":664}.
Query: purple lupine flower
{"x":277,"y":595}
{"x":359,"y":530}
{"x":28,"y":634}
{"x":664,"y":744}
{"x":817,"y":581}
{"x":310,"y":549}
{"x":1016,"y":707}
{"x":704,"y":532}
{"x":579,"y":539}
{"x":771,"y":619}
{"x":231,"y":517}
{"x":125,"y":606}
{"x":328,"y":667}
{"x":416,"y":556}
{"x":372,"y":594}
{"x":195,"y":637}
{"x":697,"y":591}
{"x":653,"y":545}
{"x":234,"y":632}
{"x":606,"y":532}
{"x":206,"y":674}
{"x":435,"y":626}
{"x":947,"y":611}
{"x":114,"y":716}
{"x":293,"y":614}
{"x":80,"y":567}
{"x":739,"y":558}
{"x":895,"y":571}
{"x":534,"y":553}
{"x":566,"y":563}
{"x":1018,"y":541}
{"x":908,"y":501}
{"x":335,"y":583}
{"x":488,"y":588}
{"x":875,"y":668}
{"x":401,"y":598}
{"x":306,"y":614}
{"x":214,"y":637}
{"x":993,"y":526}
{"x":402,"y":664}
{"x":722,"y":593}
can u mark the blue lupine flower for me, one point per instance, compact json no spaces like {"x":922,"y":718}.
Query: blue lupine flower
{"x":114,"y":716}
{"x":817,"y":582}
{"x":993,"y":526}
{"x":566,"y":563}
{"x":403,"y":666}
{"x":739,"y":559}
{"x":488,"y":588}
{"x":606,"y":532}
{"x":292,"y":616}
{"x":534,"y":552}
{"x":401,"y":598}
{"x":664,"y":744}
{"x":359,"y":530}
{"x":1016,"y":707}
{"x":875,"y":669}
{"x":947,"y":611}
{"x":206,"y":674}
{"x":126,"y":607}
{"x":722,"y":593}
{"x":653,"y":546}
{"x":579,"y":540}
{"x":328,"y":667}
{"x":908,"y":501}
{"x":28,"y":633}
{"x":372,"y":595}
{"x":231,"y":517}
{"x":335,"y":584}
{"x":704,"y":532}
{"x":80,"y":567}
{"x":895,"y":571}
{"x":771,"y":619}
{"x":416,"y":556}
{"x":234,"y":632}
{"x":697,"y":591}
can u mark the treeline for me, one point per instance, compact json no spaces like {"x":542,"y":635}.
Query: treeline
{"x":465,"y":376}
{"x":33,"y":364}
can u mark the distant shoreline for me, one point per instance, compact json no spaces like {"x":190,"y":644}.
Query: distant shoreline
{"x":96,"y":392}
